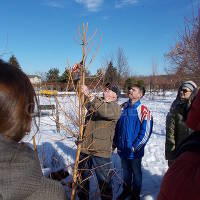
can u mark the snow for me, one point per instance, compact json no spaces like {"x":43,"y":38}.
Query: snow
{"x":58,"y":150}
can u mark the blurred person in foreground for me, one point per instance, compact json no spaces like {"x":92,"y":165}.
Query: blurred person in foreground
{"x":132,"y":133}
{"x":20,"y":172}
{"x":176,"y":129}
{"x":182,"y":180}
{"x":96,"y":148}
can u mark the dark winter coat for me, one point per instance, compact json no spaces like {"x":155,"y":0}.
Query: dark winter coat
{"x":181,"y":182}
{"x":176,"y":129}
{"x":100,"y":125}
{"x":193,"y":118}
{"x":21,"y":177}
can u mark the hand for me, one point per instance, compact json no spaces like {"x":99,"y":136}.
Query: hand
{"x":108,"y":99}
{"x":85,"y":90}
{"x":133,"y":149}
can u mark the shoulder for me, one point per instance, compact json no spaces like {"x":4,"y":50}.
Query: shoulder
{"x":115,"y":104}
{"x":143,"y":112}
{"x":144,"y":108}
{"x":49,"y":190}
{"x":19,"y":152}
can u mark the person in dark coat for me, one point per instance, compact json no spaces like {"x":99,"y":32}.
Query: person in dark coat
{"x":176,"y":129}
{"x":21,"y":176}
{"x":182,"y":180}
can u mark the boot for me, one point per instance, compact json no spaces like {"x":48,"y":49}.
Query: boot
{"x":135,"y":195}
{"x":125,"y":193}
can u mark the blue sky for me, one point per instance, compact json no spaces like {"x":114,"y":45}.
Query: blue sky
{"x":42,"y":33}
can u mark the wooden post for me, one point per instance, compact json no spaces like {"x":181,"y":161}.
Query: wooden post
{"x":81,"y":115}
{"x":34,"y":144}
{"x":57,"y":119}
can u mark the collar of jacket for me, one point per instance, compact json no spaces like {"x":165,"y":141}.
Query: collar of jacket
{"x":135,"y":105}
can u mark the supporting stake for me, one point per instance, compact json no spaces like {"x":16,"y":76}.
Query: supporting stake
{"x":81,"y":116}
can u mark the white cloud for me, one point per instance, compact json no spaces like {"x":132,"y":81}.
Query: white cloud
{"x":53,"y":3}
{"x":122,"y":3}
{"x":91,"y":5}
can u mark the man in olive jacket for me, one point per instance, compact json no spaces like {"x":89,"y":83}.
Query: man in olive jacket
{"x":96,"y":149}
{"x":176,"y":129}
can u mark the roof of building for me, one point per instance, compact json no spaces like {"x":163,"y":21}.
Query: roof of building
{"x":33,"y":76}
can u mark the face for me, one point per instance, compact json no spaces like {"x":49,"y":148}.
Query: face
{"x":135,"y":93}
{"x":185,"y":93}
{"x":109,"y":95}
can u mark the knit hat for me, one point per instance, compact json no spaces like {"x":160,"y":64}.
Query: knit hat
{"x":189,"y":84}
{"x":193,"y":118}
{"x":114,"y":88}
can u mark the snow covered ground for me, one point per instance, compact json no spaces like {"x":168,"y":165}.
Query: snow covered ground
{"x":58,"y":150}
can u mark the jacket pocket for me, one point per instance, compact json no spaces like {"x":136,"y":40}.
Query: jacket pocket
{"x":102,"y":143}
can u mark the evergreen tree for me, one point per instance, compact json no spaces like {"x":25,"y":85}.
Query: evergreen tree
{"x":53,"y":75}
{"x":111,"y":75}
{"x":13,"y":61}
{"x":65,"y":76}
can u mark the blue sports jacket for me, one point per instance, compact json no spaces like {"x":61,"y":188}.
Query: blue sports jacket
{"x":133,"y":130}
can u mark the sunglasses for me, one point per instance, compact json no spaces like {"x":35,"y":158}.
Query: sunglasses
{"x":185,"y":91}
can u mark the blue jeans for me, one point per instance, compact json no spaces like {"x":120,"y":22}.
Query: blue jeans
{"x":132,"y":174}
{"x":101,"y":166}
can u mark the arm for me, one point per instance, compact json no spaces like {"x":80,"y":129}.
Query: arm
{"x":109,"y":111}
{"x":104,"y":110}
{"x":115,"y":138}
{"x":170,"y":136}
{"x":144,"y":133}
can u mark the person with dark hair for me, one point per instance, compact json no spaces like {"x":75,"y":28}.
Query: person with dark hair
{"x":181,"y":181}
{"x":176,"y":130}
{"x":132,"y":133}
{"x":20,"y":172}
{"x":96,"y":148}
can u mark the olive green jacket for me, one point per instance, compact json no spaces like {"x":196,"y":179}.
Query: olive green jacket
{"x":176,"y":129}
{"x":100,"y":122}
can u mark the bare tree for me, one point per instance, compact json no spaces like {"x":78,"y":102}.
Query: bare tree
{"x":122,"y":65}
{"x":184,"y":56}
{"x":153,"y":79}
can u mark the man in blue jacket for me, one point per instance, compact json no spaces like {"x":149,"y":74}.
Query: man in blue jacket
{"x":132,"y":132}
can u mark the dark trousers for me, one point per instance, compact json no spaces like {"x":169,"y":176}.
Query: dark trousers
{"x":101,"y":166}
{"x":132,"y":175}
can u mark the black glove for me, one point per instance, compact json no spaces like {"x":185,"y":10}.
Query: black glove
{"x":59,"y":175}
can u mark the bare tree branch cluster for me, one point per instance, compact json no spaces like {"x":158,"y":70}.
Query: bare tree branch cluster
{"x":184,"y":56}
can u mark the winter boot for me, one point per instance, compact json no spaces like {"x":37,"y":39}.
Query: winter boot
{"x":135,"y":195}
{"x":125,"y":193}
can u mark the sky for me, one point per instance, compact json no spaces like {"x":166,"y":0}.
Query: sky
{"x":45,"y":33}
